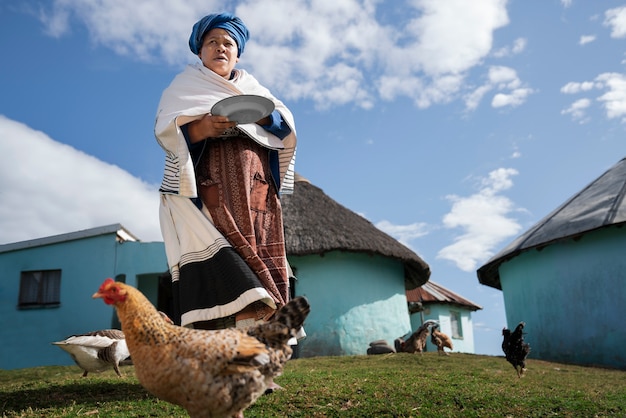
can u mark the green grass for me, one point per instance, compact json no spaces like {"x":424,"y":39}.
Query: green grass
{"x":396,"y":385}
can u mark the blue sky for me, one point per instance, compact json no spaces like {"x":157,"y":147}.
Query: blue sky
{"x":452,"y":125}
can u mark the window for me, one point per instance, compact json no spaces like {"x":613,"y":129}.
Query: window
{"x":455,"y":324}
{"x":40,"y":289}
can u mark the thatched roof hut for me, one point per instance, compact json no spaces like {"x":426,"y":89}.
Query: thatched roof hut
{"x":316,"y":224}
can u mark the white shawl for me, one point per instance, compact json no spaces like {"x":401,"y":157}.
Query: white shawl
{"x":190,"y":96}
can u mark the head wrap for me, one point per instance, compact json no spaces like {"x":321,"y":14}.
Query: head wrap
{"x":229,"y":22}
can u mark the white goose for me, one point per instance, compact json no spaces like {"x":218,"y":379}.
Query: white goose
{"x":97,"y":351}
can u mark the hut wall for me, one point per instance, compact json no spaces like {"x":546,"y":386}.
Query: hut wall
{"x":84,"y":264}
{"x":355,"y":299}
{"x":572,"y":296}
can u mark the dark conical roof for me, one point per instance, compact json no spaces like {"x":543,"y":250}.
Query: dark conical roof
{"x":316,"y":224}
{"x":599,"y":205}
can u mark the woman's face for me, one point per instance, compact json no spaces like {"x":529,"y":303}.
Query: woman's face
{"x":219,"y":52}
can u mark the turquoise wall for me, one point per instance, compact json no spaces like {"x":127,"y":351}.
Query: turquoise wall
{"x":441,"y":312}
{"x":355,"y":299}
{"x":572,"y":296}
{"x":85,"y":263}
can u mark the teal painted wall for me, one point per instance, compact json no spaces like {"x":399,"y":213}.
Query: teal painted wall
{"x":441,"y":312}
{"x":85,"y":263}
{"x":572,"y":296}
{"x":355,"y":299}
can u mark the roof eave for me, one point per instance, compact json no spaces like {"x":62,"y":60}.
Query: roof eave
{"x":489,"y":274}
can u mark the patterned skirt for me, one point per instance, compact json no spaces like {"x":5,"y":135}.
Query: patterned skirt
{"x":231,"y":254}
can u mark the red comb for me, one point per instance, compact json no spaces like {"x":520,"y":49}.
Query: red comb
{"x":106,"y":283}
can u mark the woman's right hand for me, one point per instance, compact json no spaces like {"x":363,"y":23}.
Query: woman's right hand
{"x":209,"y":126}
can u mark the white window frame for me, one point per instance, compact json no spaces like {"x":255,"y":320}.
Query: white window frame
{"x":456,"y":325}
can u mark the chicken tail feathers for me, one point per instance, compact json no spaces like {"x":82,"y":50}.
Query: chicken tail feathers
{"x":293,"y":314}
{"x":285,"y":323}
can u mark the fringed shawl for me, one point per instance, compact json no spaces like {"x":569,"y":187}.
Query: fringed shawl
{"x":191,"y":95}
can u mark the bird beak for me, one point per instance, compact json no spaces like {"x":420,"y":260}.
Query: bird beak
{"x":97,"y":295}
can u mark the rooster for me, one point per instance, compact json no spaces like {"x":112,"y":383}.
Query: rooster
{"x":440,"y":339}
{"x":515,"y":349}
{"x":96,"y":351}
{"x":209,"y":373}
{"x":416,"y":342}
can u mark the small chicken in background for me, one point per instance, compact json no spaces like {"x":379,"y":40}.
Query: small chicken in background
{"x":96,"y":351}
{"x":416,"y":342}
{"x":515,"y":349}
{"x":440,"y":339}
{"x":209,"y":373}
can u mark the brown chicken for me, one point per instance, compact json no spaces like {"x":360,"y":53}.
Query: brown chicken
{"x":515,"y":349}
{"x":209,"y":373}
{"x":440,"y":339}
{"x":416,"y":342}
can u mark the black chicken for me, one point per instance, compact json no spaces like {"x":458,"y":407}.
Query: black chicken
{"x":515,"y":349}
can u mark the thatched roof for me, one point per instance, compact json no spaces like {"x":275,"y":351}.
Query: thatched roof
{"x":316,"y":224}
{"x":599,"y":205}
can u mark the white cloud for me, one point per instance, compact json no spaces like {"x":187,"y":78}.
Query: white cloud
{"x":56,"y":24}
{"x":566,"y":3}
{"x":452,"y":36}
{"x":586,"y":39}
{"x":148,"y":30}
{"x":484,"y":220}
{"x":509,"y":87}
{"x":515,"y":98}
{"x":50,"y":188}
{"x":573,"y":88}
{"x":331,"y":52}
{"x":473,"y":99}
{"x":613,"y":100}
{"x":404,"y":233}
{"x":519,"y":45}
{"x":503,"y":77}
{"x":578,"y":110}
{"x":616,"y":20}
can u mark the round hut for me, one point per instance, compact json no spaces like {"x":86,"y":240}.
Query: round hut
{"x":566,"y":277}
{"x":354,"y":275}
{"x":453,"y":312}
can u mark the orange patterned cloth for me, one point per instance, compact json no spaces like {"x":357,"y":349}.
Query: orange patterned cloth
{"x":236,"y":187}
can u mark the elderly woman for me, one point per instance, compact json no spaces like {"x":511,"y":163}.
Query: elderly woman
{"x":220,"y":211}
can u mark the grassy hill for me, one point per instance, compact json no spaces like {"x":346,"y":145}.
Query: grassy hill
{"x":395,"y":385}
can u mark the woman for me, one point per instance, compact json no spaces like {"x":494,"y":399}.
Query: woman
{"x":220,"y":213}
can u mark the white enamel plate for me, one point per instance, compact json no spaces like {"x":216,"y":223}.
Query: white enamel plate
{"x":246,"y":108}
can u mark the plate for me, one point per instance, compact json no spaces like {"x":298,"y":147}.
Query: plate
{"x":245,"y":108}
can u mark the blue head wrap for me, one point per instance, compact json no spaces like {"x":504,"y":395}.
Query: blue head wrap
{"x":229,"y":22}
